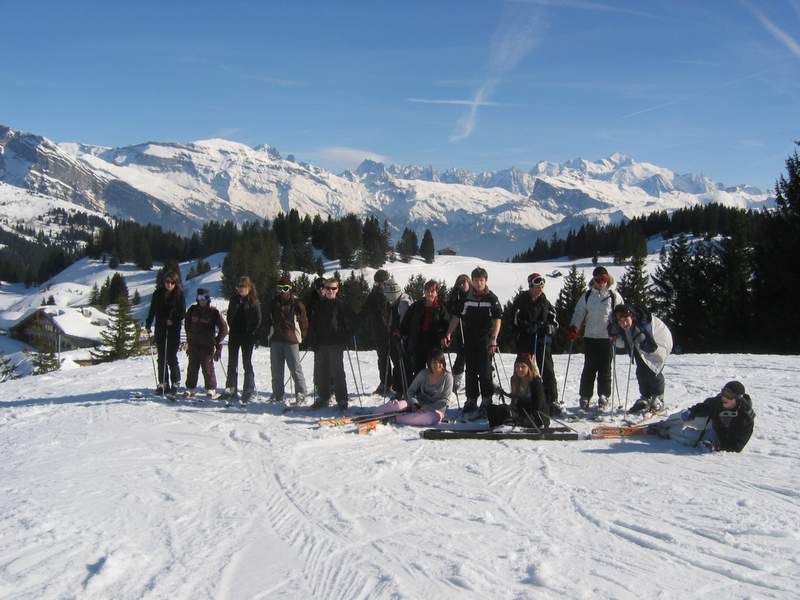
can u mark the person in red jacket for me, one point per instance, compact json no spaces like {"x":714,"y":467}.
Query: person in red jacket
{"x":205,"y":330}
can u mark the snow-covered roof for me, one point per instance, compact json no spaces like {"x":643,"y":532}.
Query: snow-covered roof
{"x":86,"y":322}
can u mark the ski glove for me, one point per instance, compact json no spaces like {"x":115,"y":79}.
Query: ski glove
{"x":573,"y":333}
{"x":687,"y":415}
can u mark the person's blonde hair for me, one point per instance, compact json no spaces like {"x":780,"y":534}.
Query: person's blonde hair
{"x":252,"y":294}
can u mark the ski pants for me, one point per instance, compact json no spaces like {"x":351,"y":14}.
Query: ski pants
{"x":597,"y":363}
{"x":167,"y":341}
{"x":236,"y":343}
{"x":400,"y":362}
{"x":418,"y":418}
{"x":689,"y":433}
{"x":384,"y":363}
{"x":478,"y":371}
{"x":329,"y":365}
{"x":280,"y":353}
{"x":650,"y":384}
{"x":201,"y":358}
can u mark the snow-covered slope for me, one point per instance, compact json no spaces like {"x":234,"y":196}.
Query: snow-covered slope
{"x":105,"y":496}
{"x":493,"y":214}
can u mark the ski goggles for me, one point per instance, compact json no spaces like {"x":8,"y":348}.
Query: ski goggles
{"x":536,"y":281}
{"x":728,"y":395}
{"x":729,"y":414}
{"x":203,"y":298}
{"x":284,"y":288}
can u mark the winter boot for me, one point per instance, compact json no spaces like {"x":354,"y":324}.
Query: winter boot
{"x":189,"y":393}
{"x":641,"y":405}
{"x":212,"y":394}
{"x":321,"y":403}
{"x":228,"y":393}
{"x":583,"y":403}
{"x":159,"y":391}
{"x":342,"y":406}
{"x":556,"y":408}
{"x":299,"y":399}
{"x":470,"y":405}
{"x":247,"y":396}
{"x":380,"y":390}
{"x":656,"y":404}
{"x":484,"y":408}
{"x":602,"y":403}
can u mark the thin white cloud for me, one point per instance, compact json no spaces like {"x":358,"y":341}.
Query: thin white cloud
{"x":778,"y":33}
{"x":454,"y":102}
{"x":649,"y":109}
{"x":226,"y":132}
{"x":594,"y":6}
{"x":512,"y":40}
{"x":339,"y":158}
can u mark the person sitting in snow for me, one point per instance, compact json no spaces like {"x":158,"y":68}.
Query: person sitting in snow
{"x":205,"y":330}
{"x":723,"y":422}
{"x":428,"y":395}
{"x":648,"y":341}
{"x":528,"y":399}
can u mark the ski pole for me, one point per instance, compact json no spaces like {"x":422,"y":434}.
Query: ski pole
{"x":450,"y":361}
{"x":386,"y":377}
{"x":403,"y":379}
{"x":358,"y":364}
{"x":536,"y":351}
{"x":152,"y":356}
{"x":616,"y":382}
{"x":502,"y":366}
{"x":285,"y":383}
{"x":353,"y":372}
{"x":566,"y":373}
{"x":628,"y":385}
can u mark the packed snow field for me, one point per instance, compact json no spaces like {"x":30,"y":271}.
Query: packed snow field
{"x":108,"y":496}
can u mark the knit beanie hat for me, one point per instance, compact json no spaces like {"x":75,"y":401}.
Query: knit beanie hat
{"x":391,"y":291}
{"x":381,"y":276}
{"x":734,"y":387}
{"x":599,"y":271}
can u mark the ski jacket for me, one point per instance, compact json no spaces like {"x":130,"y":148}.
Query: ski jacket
{"x":244,"y":318}
{"x":166,"y":307}
{"x":455,"y":306}
{"x":532,"y":318}
{"x":205,"y":328}
{"x":430,"y":396}
{"x":648,"y":336}
{"x":529,"y":409}
{"x":423,"y":326}
{"x":733,"y":427}
{"x":286,"y":320}
{"x":593,"y":310}
{"x":376,"y":314}
{"x":477,"y":315}
{"x":332,"y":323}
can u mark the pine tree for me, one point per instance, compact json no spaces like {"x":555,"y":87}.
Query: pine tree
{"x":8,"y":371}
{"x":94,"y":295}
{"x":574,"y":287}
{"x":45,"y":359}
{"x":426,"y":248}
{"x":734,"y":314}
{"x":137,"y":299}
{"x":121,"y":338}
{"x":672,"y":288}
{"x":415,"y":288}
{"x":407,"y":246}
{"x":776,"y":276}
{"x":634,"y":285}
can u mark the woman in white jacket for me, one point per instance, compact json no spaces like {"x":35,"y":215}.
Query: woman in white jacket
{"x":592,"y":313}
{"x":648,"y":341}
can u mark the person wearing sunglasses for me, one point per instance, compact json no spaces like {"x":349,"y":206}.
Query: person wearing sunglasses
{"x":167,"y":309}
{"x":330,"y":329}
{"x":287,"y":324}
{"x":244,"y":323}
{"x":534,"y":323}
{"x":723,"y":422}
{"x":592,"y":313}
{"x":205,"y":330}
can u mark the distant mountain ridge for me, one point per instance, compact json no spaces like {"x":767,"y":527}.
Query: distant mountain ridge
{"x":491,"y":213}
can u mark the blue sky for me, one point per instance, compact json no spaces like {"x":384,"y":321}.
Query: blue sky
{"x":711,"y":86}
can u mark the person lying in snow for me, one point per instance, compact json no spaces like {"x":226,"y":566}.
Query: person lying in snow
{"x":428,"y":394}
{"x":722,"y":422}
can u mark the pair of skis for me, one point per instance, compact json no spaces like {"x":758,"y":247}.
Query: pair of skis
{"x":364,"y":423}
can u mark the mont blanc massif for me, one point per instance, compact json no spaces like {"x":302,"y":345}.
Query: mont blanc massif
{"x":493,"y":214}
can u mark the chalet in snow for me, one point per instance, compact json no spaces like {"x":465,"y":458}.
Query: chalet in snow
{"x":61,"y":328}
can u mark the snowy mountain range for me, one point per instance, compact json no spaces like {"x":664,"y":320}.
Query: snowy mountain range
{"x":492,"y":214}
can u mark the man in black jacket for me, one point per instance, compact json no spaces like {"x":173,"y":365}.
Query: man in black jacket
{"x":730,"y":415}
{"x":480,"y":321}
{"x":534,"y":325}
{"x":376,"y":314}
{"x":331,"y":327}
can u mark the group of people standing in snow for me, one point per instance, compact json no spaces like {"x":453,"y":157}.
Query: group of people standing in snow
{"x":414,"y":341}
